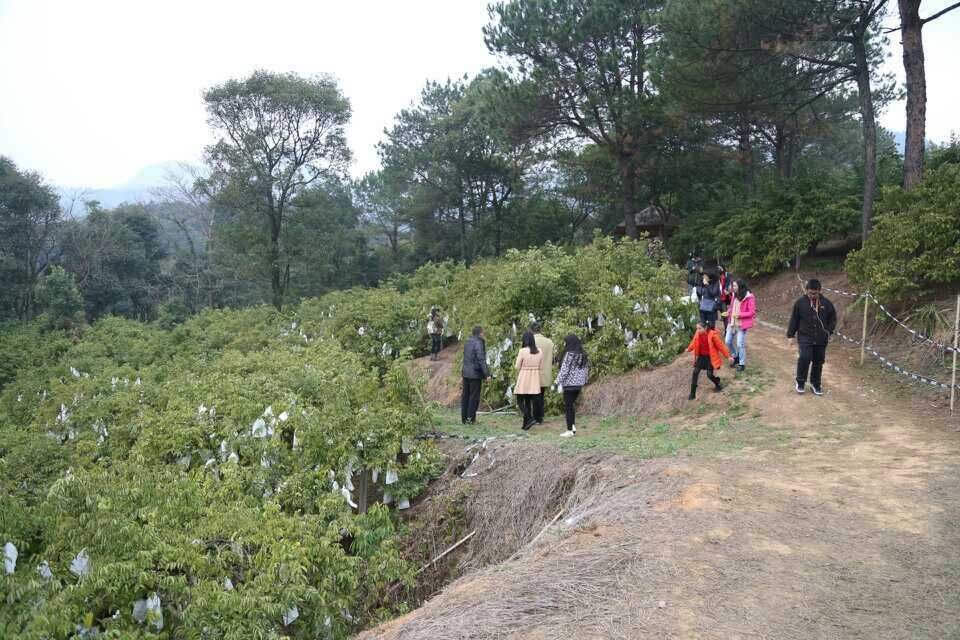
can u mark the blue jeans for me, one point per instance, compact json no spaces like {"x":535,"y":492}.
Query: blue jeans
{"x":738,"y":351}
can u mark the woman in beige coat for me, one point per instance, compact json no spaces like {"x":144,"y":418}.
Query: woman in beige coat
{"x":527,"y":388}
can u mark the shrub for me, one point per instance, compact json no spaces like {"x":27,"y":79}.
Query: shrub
{"x":60,"y":299}
{"x":915,"y":243}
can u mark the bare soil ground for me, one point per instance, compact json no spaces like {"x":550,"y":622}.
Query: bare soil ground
{"x":845,"y":525}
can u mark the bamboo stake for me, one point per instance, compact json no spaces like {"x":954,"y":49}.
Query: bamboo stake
{"x":863,"y":338}
{"x":424,"y":567}
{"x":537,"y":537}
{"x":956,"y":339}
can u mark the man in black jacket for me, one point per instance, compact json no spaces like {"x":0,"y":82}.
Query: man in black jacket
{"x":813,"y":321}
{"x":474,"y":371}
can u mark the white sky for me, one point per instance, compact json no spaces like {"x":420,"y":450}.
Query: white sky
{"x":91,"y":91}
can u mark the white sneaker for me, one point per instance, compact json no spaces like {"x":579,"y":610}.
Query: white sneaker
{"x":568,"y":434}
{"x":800,"y":388}
{"x":817,"y":390}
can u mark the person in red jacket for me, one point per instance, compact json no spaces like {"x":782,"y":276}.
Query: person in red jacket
{"x":707,"y":347}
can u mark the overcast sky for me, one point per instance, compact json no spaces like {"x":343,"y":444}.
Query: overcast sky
{"x":92,"y":91}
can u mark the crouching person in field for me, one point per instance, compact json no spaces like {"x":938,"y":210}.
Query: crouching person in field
{"x":707,"y":348}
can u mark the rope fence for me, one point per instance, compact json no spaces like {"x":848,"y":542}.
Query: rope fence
{"x":887,"y":362}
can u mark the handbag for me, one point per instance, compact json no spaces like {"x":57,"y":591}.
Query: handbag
{"x":708,"y":304}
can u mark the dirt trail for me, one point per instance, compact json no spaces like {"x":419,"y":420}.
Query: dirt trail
{"x":852,"y":530}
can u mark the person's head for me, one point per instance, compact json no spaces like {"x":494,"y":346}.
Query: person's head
{"x":813,"y":289}
{"x":529,"y":341}
{"x":740,"y":289}
{"x":709,"y":325}
{"x":700,"y":326}
{"x":535,"y":326}
{"x":710,"y":275}
{"x":572,"y":344}
{"x":478,"y":332}
{"x":721,"y":270}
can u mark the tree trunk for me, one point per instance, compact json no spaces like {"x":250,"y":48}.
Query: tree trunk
{"x":911,"y":29}
{"x":869,"y":132}
{"x":745,"y":149}
{"x":276,"y":272}
{"x":629,"y":189}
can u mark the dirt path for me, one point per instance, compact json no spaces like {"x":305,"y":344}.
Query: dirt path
{"x":851,"y":530}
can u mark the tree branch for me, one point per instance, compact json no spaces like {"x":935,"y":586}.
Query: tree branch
{"x":940,"y":13}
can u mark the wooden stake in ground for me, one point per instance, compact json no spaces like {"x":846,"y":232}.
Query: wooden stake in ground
{"x":863,"y":338}
{"x":953,"y":376}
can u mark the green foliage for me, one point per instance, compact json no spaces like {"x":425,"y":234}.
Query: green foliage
{"x":783,"y":221}
{"x":915,"y":244}
{"x":205,"y":464}
{"x":60,"y":299}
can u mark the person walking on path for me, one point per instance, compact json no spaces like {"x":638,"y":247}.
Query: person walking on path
{"x":572,"y":377}
{"x":706,"y":347}
{"x":528,"y":378}
{"x":812,"y":321}
{"x":725,"y":283}
{"x":474,"y":372}
{"x":742,"y":311}
{"x":435,"y":329}
{"x":545,"y":345}
{"x":708,"y":293}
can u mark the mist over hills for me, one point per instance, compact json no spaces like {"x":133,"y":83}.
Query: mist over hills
{"x":141,"y":188}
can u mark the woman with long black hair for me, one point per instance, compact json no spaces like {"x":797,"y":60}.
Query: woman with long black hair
{"x":574,"y":371}
{"x":527,"y":388}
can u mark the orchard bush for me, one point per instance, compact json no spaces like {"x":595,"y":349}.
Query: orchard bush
{"x":915,"y":243}
{"x":212,"y":468}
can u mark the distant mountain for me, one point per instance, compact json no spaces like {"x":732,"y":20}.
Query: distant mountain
{"x":138,"y":189}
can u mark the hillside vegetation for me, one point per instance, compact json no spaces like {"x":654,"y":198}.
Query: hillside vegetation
{"x":201,"y":481}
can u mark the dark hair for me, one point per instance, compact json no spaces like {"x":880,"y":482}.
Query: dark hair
{"x":572,"y":344}
{"x":535,"y":326}
{"x":529,"y":342}
{"x":741,"y":289}
{"x":477,"y":330}
{"x":709,"y":324}
{"x":712,"y":275}
{"x":813,"y":283}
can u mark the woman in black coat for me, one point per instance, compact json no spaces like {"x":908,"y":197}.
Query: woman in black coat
{"x":709,"y":294}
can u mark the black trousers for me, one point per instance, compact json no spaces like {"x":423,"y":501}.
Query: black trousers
{"x":470,"y":399}
{"x":707,"y":316}
{"x":436,"y":342}
{"x":539,"y":405}
{"x":526,"y":402}
{"x":812,"y":357}
{"x":570,"y":406}
{"x":703,"y":364}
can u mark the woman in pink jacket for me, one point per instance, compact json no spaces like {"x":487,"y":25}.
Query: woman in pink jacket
{"x":740,"y":315}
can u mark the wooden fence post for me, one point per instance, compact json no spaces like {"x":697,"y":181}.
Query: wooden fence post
{"x":863,"y":337}
{"x":953,"y":376}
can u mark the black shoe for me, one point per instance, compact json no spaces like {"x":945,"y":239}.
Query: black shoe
{"x":817,"y":391}
{"x":693,"y":394}
{"x":800,"y":387}
{"x":741,"y":367}
{"x":735,"y":363}
{"x":718,"y":388}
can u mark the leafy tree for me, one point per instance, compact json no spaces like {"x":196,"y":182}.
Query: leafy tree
{"x":116,"y":257}
{"x":592,"y":63}
{"x":916,"y":244}
{"x":60,"y":299}
{"x":279,"y":133}
{"x":30,"y":218}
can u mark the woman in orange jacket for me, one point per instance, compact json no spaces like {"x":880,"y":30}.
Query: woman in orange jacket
{"x":707,"y":347}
